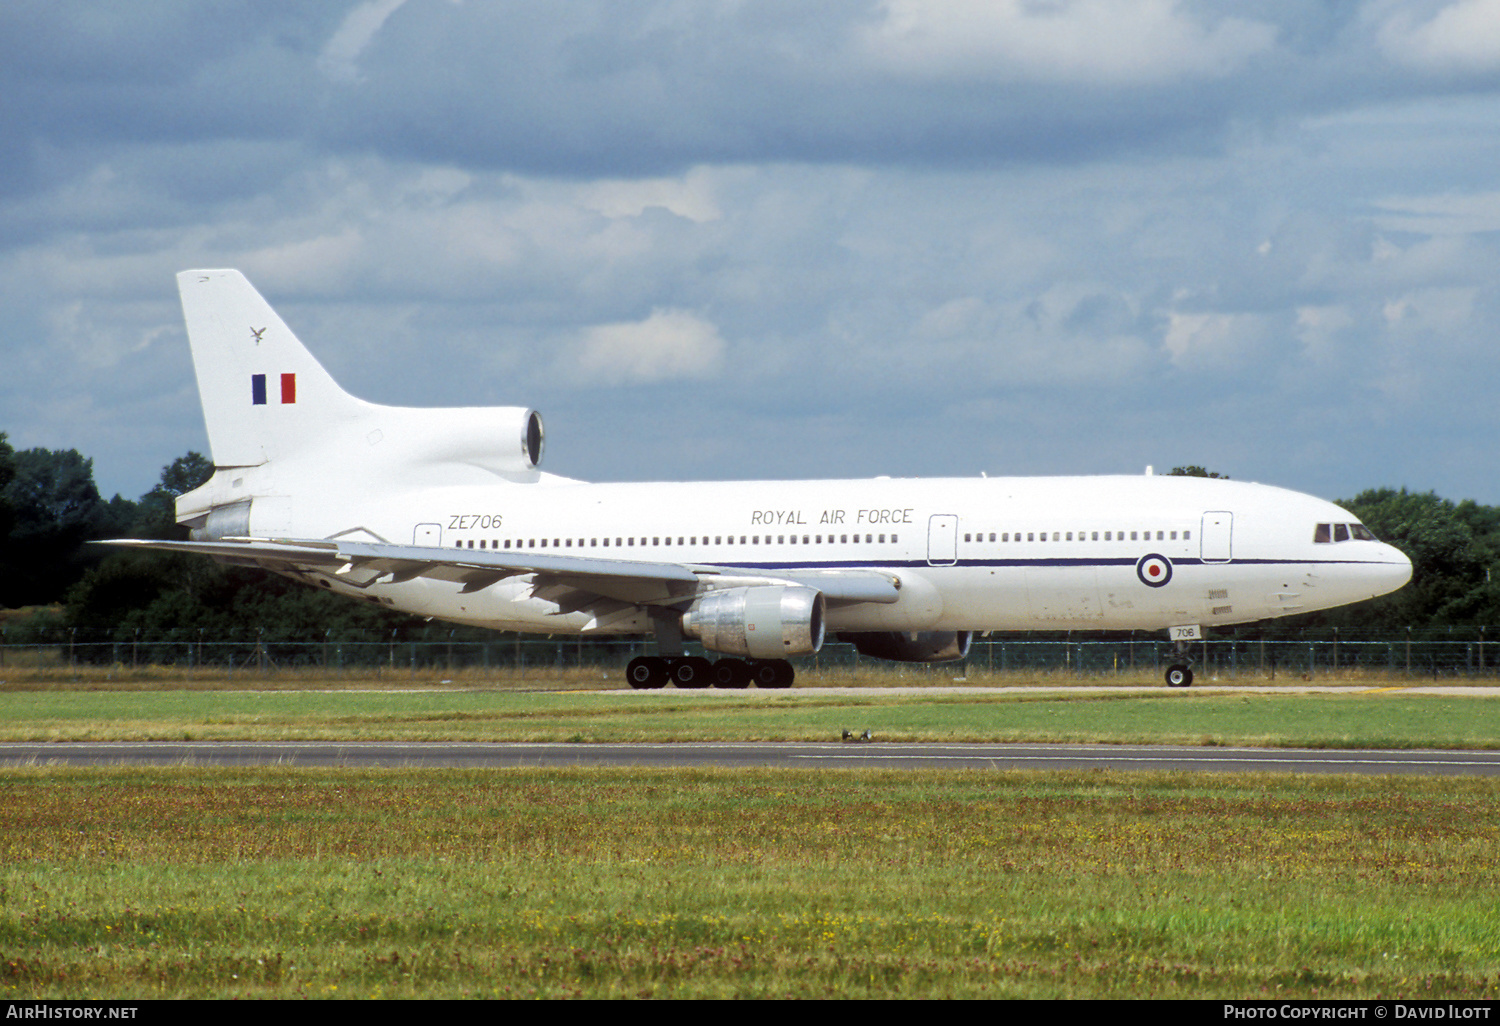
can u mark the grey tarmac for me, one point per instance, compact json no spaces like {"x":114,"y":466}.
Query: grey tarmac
{"x":787,"y":755}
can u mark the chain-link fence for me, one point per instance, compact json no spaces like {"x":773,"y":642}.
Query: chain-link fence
{"x":1440,"y":653}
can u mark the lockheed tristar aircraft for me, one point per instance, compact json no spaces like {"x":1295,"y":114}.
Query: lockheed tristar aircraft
{"x":443,"y":513}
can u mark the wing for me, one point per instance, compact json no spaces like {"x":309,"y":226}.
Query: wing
{"x":573,"y":582}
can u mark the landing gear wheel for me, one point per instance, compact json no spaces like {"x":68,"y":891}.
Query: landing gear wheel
{"x":762,"y":673}
{"x":691,"y":672}
{"x":1179,"y":677}
{"x":785,"y":674}
{"x":774,"y":673}
{"x":646,"y":673}
{"x":731,"y":673}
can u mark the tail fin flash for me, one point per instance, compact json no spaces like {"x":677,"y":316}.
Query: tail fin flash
{"x":264,"y":395}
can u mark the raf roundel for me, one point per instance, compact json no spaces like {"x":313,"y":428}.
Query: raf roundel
{"x":1153,"y":570}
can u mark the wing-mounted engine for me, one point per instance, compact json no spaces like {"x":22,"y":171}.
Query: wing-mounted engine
{"x":910,"y":646}
{"x":763,"y":622}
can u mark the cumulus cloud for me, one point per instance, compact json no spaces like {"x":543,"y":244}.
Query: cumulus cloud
{"x":989,"y":220}
{"x":1213,"y":341}
{"x":1321,"y":329}
{"x":339,"y":59}
{"x":669,"y":345}
{"x":1463,"y":36}
{"x":1444,"y":214}
{"x":1090,"y":41}
{"x":690,"y":196}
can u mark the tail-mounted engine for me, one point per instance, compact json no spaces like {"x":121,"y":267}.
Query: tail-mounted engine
{"x":764,"y":622}
{"x":910,"y":646}
{"x":500,"y":439}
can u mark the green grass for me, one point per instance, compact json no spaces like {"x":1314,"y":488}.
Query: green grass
{"x":1387,"y":719}
{"x":274,"y":882}
{"x":280,"y":882}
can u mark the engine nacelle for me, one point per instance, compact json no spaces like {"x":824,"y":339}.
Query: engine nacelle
{"x":769,"y":621}
{"x":500,"y":439}
{"x":910,"y":646}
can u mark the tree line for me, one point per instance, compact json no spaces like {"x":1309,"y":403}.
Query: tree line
{"x":50,"y":512}
{"x":51,"y":509}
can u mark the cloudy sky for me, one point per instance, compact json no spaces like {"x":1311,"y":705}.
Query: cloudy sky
{"x":773,"y":238}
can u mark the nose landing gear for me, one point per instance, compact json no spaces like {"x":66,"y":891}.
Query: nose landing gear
{"x":1179,"y":676}
{"x":1180,"y":673}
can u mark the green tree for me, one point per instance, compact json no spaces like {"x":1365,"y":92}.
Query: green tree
{"x":126,"y":583}
{"x":1448,"y":582}
{"x":7,"y":474}
{"x":57,"y":510}
{"x":161,"y":592}
{"x":1196,"y":471}
{"x":158,"y":507}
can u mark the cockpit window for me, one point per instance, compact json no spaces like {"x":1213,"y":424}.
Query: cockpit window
{"x":1341,"y":533}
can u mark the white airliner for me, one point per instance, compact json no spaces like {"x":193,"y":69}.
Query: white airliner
{"x":443,"y":513}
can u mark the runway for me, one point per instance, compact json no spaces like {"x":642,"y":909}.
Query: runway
{"x":500,"y":755}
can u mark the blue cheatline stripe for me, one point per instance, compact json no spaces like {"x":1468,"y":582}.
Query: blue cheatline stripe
{"x":258,"y":389}
{"x":914,"y":564}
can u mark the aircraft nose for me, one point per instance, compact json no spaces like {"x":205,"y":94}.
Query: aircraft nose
{"x":1395,"y":570}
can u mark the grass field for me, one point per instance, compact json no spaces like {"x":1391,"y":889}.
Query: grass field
{"x":1385,"y":719}
{"x":276,"y":882}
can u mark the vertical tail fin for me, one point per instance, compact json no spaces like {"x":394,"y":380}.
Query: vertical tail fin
{"x":264,"y":395}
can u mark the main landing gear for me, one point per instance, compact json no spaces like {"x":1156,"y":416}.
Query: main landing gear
{"x":650,"y":672}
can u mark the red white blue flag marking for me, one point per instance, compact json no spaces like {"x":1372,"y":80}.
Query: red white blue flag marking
{"x":258,"y":389}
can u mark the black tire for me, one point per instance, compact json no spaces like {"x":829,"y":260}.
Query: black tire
{"x":763,"y":673}
{"x":692,"y":672}
{"x":731,"y":673}
{"x":782,"y":674}
{"x":647,"y":673}
{"x":1179,"y":677}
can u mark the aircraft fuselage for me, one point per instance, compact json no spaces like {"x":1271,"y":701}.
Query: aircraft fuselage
{"x":987,"y":554}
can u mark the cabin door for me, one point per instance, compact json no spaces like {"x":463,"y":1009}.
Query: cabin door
{"x":1216,"y":538}
{"x":942,"y":540}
